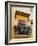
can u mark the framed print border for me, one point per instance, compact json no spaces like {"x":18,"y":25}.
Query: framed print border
{"x":6,"y":20}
